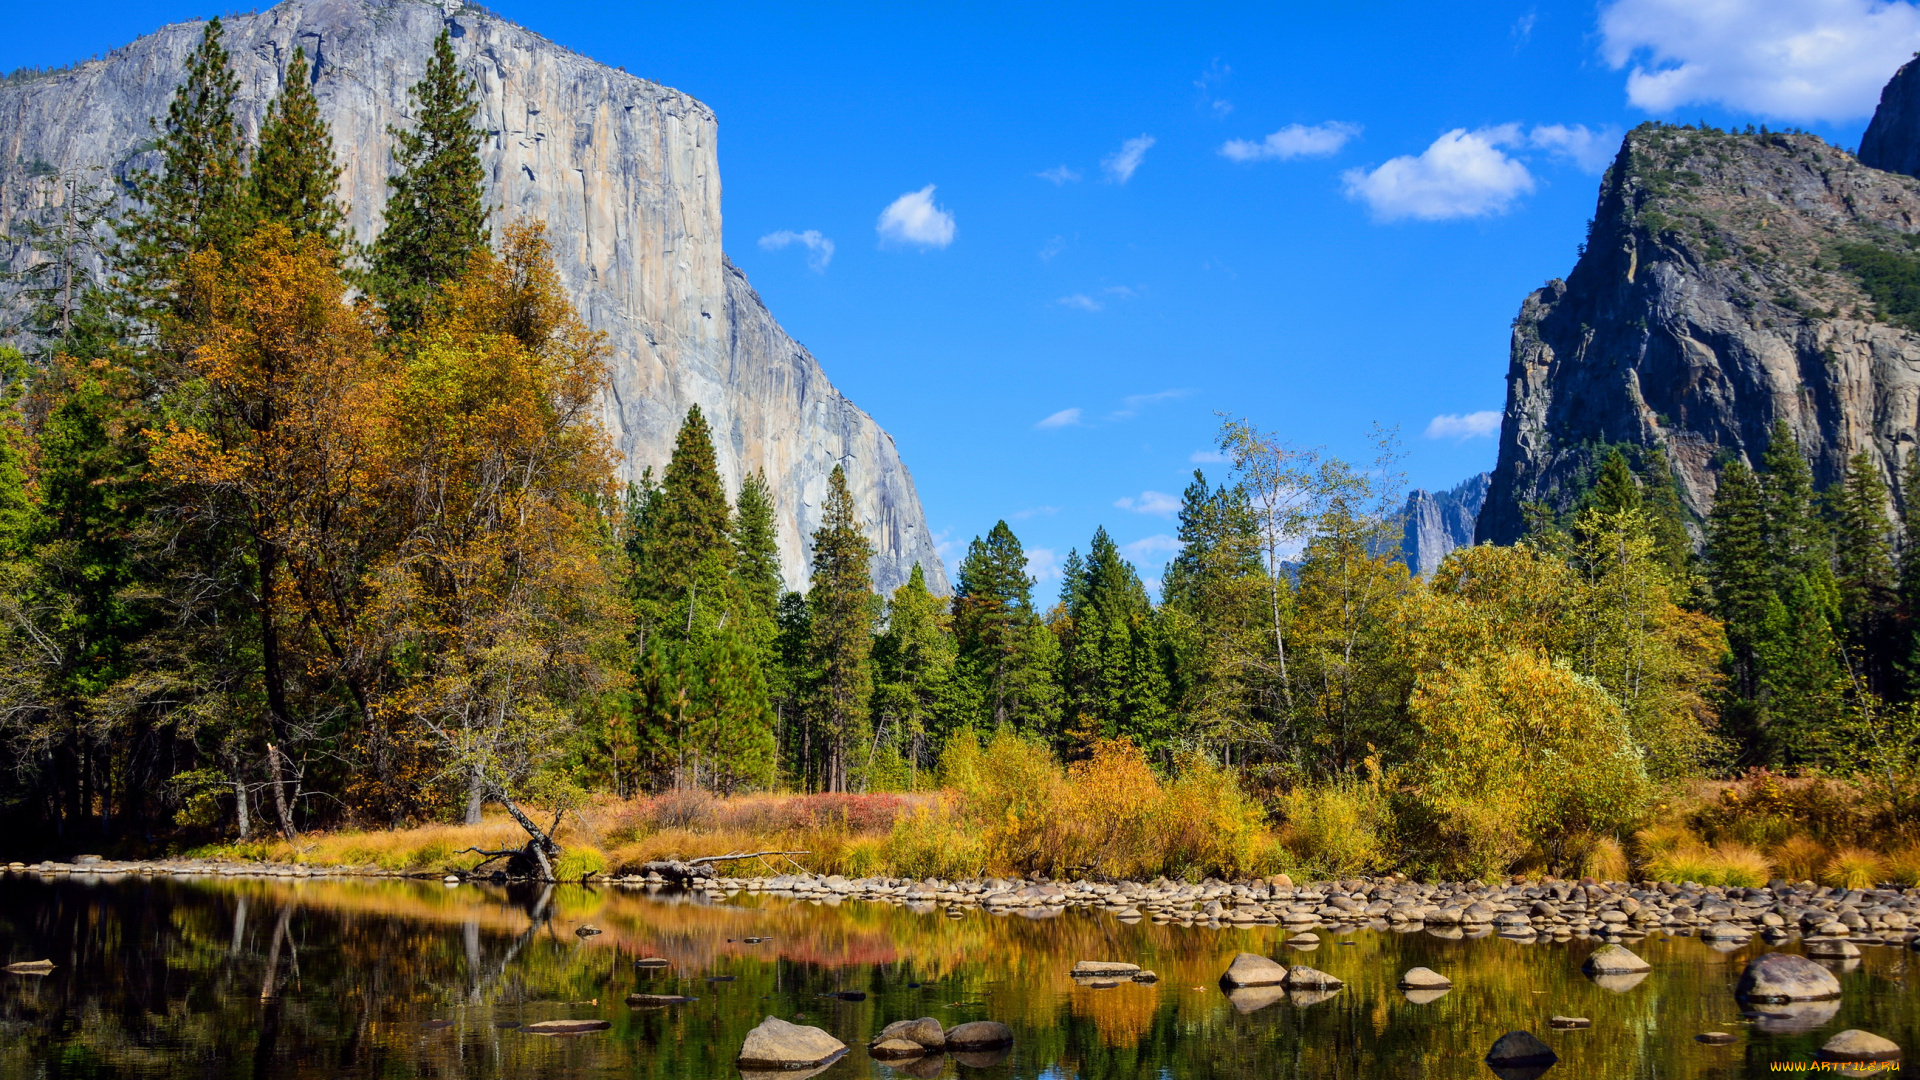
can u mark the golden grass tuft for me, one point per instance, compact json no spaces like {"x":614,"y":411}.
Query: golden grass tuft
{"x":1903,"y":864}
{"x":1738,"y":864}
{"x":1800,"y":858}
{"x":1605,"y":861}
{"x":1853,"y":868}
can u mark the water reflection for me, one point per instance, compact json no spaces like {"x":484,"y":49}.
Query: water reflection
{"x":346,"y":979}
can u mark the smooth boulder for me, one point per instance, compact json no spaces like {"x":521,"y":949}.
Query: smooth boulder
{"x":1782,"y":977}
{"x":1520,"y":1048}
{"x":30,"y":967}
{"x":1252,"y":969}
{"x":1614,"y":960}
{"x":1306,"y":978}
{"x":909,"y":1038}
{"x":980,"y":1035}
{"x":1424,"y":979}
{"x":777,"y":1044}
{"x":1857,"y":1045}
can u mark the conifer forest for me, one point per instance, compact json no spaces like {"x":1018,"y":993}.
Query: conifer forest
{"x":302,"y":531}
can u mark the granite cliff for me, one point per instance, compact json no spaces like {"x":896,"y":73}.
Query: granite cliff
{"x":1721,"y":288}
{"x":1439,"y":521}
{"x":623,"y":171}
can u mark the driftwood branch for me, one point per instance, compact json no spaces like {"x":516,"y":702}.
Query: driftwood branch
{"x":702,"y":867}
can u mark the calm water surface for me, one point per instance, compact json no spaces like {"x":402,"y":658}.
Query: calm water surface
{"x":350,"y":979}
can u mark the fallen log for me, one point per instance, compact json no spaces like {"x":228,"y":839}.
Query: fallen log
{"x":690,"y":870}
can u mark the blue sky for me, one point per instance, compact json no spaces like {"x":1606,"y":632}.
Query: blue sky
{"x":1062,"y":237}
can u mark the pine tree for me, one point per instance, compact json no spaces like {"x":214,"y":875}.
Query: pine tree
{"x":913,"y":671}
{"x":1212,"y":604}
{"x":294,"y":175}
{"x":1616,"y":489}
{"x":1005,"y":667}
{"x":756,"y":546}
{"x":199,"y":201}
{"x":1112,"y":662}
{"x":1666,"y":517}
{"x":683,"y":579}
{"x":1742,"y":586}
{"x":436,"y":214}
{"x":1909,"y":574}
{"x":1798,"y":644}
{"x":841,"y":604}
{"x":1863,"y":570}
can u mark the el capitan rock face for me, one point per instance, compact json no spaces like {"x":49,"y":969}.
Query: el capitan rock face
{"x":622,"y":170}
{"x":1711,"y":300}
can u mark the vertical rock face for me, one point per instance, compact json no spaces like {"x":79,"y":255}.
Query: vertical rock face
{"x":1717,"y":293}
{"x":1439,"y":522}
{"x":1892,"y":141}
{"x":622,"y":170}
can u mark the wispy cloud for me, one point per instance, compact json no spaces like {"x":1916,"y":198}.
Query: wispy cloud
{"x":1293,"y":141}
{"x":1063,"y":418}
{"x":1043,"y":564}
{"x":1058,"y":176}
{"x":1588,"y":149}
{"x":1473,"y":425}
{"x":1522,"y":29}
{"x":1463,"y":174}
{"x":1054,"y":246}
{"x":1033,"y":512}
{"x":1123,"y":291}
{"x":1209,"y":84}
{"x":1147,"y":547}
{"x":914,"y":219}
{"x":1150,"y":502}
{"x":1121,"y":164}
{"x":1080,"y":301}
{"x":819,"y":248}
{"x":1208,"y":457}
{"x":1131,"y":405}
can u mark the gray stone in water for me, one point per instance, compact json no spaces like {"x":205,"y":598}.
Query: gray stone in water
{"x":777,"y":1044}
{"x":1857,"y":1045}
{"x":1614,"y":960}
{"x":1424,"y":979}
{"x":1252,"y":969}
{"x":565,"y":1027}
{"x":1102,"y":969}
{"x":1831,"y":949}
{"x":980,"y":1035}
{"x":1306,"y":978}
{"x":1793,"y":1017}
{"x":657,"y":1001}
{"x":924,"y":1033}
{"x":1716,"y":1038}
{"x":1521,"y":1048}
{"x":31,"y":967}
{"x":1146,"y":977}
{"x":1569,"y":1022}
{"x":1783,"y":977}
{"x":1249,"y":999}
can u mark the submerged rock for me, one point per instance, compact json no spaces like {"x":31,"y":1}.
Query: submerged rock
{"x":1716,"y":1038}
{"x":1521,"y":1048}
{"x":1569,"y":1022}
{"x":777,"y":1044}
{"x":565,"y":1027}
{"x":909,"y":1038}
{"x":31,"y":967}
{"x":1306,"y":978}
{"x":1614,"y":960}
{"x":657,"y":1001}
{"x":1784,"y":977}
{"x":1102,"y":969}
{"x":1421,"y":978}
{"x":1857,"y":1045}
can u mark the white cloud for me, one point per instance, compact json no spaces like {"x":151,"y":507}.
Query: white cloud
{"x":819,"y":248}
{"x":1043,"y":564}
{"x":1474,"y":425}
{"x":1063,"y":418}
{"x":1150,"y":502}
{"x":1121,"y":291}
{"x":1058,"y":175}
{"x":1120,"y":164}
{"x":1463,"y":174}
{"x":1208,"y":83}
{"x":1588,"y":150}
{"x":1081,"y":301}
{"x":1522,"y":29}
{"x":1292,"y":141}
{"x":1795,"y":59}
{"x":1208,"y":457}
{"x":1052,"y":247}
{"x":1131,"y":405}
{"x":914,"y":219}
{"x":1143,"y":549}
{"x":1034,"y":511}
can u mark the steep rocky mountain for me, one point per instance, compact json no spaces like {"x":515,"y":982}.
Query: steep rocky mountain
{"x":1438,"y":522}
{"x":623,"y":171}
{"x":1892,"y":139}
{"x":1728,"y":280}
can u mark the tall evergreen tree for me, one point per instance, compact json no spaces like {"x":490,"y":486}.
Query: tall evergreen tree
{"x":436,"y":214}
{"x":1113,"y":661}
{"x":1863,"y":570}
{"x":1213,"y":601}
{"x":683,"y":579}
{"x":1909,"y":574}
{"x":841,"y":608}
{"x":1615,"y":489}
{"x":1005,"y":655}
{"x":1742,"y":586}
{"x":294,"y":175}
{"x":1666,"y":517}
{"x":756,"y":545}
{"x":199,"y":200}
{"x":913,"y":671}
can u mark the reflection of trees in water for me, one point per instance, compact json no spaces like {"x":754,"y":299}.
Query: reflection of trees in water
{"x":323,"y":979}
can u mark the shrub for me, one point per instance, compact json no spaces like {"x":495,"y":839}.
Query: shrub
{"x":1800,"y":858}
{"x":1684,"y":864}
{"x":1338,"y":829}
{"x":1903,"y":865}
{"x":1853,"y":868}
{"x":1606,"y":861}
{"x":931,"y":841}
{"x":579,"y":863}
{"x":691,"y":808}
{"x":1738,"y":864}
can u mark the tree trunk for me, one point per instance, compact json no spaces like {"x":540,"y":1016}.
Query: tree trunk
{"x":476,"y":792}
{"x":280,"y":795}
{"x":240,"y":807}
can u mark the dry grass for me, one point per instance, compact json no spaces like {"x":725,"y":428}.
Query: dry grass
{"x":1606,"y":861}
{"x":1800,"y":858}
{"x":429,"y":847}
{"x":1853,"y":868}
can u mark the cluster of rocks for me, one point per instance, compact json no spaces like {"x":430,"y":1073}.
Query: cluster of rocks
{"x":918,"y":1048}
{"x":1834,"y":919}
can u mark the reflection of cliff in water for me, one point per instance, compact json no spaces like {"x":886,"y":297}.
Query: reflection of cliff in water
{"x":341,"y":979}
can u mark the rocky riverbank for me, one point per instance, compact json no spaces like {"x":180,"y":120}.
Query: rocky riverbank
{"x":1834,"y":923}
